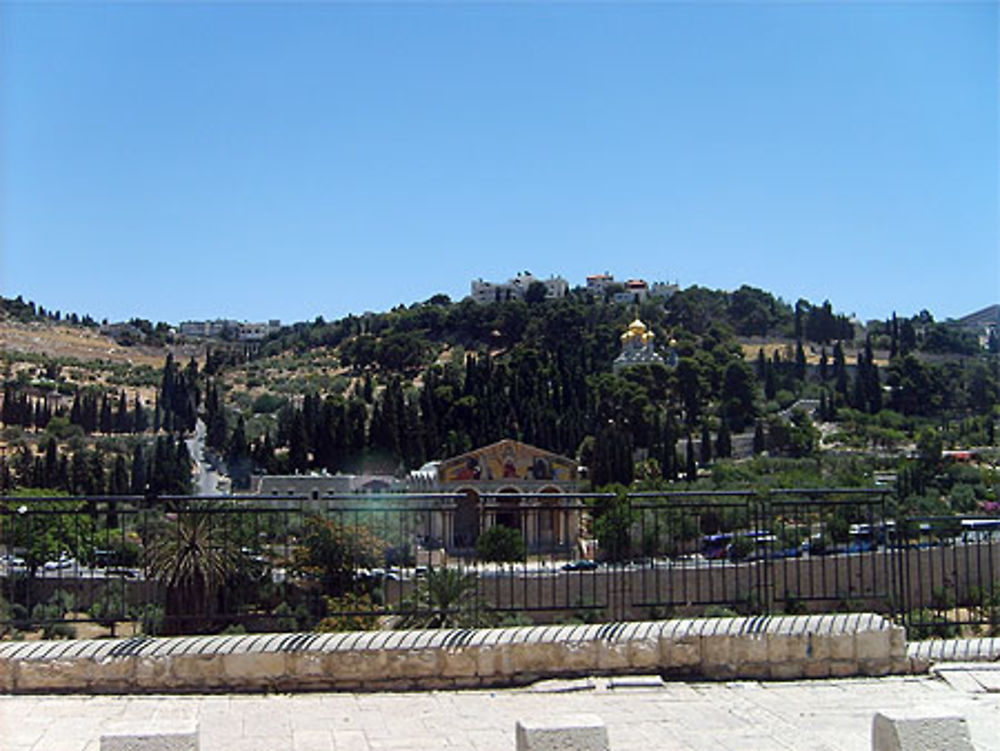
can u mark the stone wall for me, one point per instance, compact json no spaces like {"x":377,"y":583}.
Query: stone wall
{"x":761,"y":647}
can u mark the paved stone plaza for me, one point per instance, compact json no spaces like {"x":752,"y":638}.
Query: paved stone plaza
{"x":641,"y":714}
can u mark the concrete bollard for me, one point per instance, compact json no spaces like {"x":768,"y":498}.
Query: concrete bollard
{"x":173,"y":737}
{"x":581,"y":732}
{"x":893,"y":731}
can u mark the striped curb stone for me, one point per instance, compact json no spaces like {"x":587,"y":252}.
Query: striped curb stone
{"x":760,"y":647}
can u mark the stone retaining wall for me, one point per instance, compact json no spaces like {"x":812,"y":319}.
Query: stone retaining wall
{"x":762,"y":647}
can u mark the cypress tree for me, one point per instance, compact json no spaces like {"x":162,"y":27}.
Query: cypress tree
{"x":759,"y":438}
{"x":90,"y":416}
{"x":37,"y":473}
{"x":7,"y":415}
{"x":706,"y":445}
{"x":51,"y":468}
{"x":139,"y":476}
{"x":119,"y":482}
{"x":122,"y":422}
{"x":106,"y":420}
{"x":724,"y":440}
{"x":873,"y":388}
{"x":692,"y":467}
{"x":859,"y":400}
{"x":140,"y":420}
{"x":770,"y":385}
{"x":62,"y":480}
{"x":182,"y":469}
{"x":238,"y":456}
{"x":669,"y":459}
{"x":75,"y":412}
{"x":800,"y":361}
{"x":79,"y":473}
{"x":298,"y":448}
{"x":96,"y":474}
{"x":839,"y":370}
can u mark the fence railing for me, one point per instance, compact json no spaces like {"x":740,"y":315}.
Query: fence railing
{"x":126,"y":564}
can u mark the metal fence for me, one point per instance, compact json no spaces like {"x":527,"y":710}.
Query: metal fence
{"x":125,"y":565}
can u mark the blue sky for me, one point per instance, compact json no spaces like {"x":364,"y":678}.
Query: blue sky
{"x":286,"y":161}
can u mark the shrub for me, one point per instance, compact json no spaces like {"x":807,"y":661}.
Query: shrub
{"x":740,"y":548}
{"x":151,"y":617}
{"x":268,"y":403}
{"x":500,"y":544}
{"x":109,"y":607}
{"x":719,"y":611}
{"x":924,"y":624}
{"x":352,"y":612}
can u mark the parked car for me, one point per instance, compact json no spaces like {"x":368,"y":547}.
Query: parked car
{"x":65,"y":560}
{"x":580,"y":565}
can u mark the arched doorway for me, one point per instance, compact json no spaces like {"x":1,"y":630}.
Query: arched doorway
{"x":467,"y":519}
{"x":508,"y":512}
{"x":550,"y":532}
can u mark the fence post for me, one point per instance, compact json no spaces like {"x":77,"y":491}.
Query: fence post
{"x":765,"y":581}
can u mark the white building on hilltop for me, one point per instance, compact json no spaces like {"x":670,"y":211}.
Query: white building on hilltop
{"x":515,"y":289}
{"x":222,"y":328}
{"x":630,"y":292}
{"x":599,"y":283}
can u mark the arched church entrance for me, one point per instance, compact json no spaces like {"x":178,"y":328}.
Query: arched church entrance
{"x":467,"y":519}
{"x":549,"y":533}
{"x":508,"y":512}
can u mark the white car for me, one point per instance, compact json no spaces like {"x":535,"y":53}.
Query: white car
{"x":64,"y":561}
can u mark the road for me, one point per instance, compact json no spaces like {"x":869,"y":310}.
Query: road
{"x":73,"y":571}
{"x":206,"y":479}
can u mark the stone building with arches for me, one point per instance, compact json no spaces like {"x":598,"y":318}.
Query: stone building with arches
{"x":515,"y":485}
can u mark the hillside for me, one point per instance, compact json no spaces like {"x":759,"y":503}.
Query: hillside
{"x":52,"y":340}
{"x":434,"y":379}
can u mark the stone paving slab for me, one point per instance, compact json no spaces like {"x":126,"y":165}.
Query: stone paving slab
{"x":974,"y":677}
{"x":828,"y":715}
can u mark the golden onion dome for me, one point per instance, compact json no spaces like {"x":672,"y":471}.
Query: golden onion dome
{"x":637,"y":326}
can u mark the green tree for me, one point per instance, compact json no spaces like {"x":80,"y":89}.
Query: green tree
{"x":929,"y":450}
{"x":613,"y":529}
{"x":737,"y":395}
{"x":334,"y":552}
{"x":535,"y":293}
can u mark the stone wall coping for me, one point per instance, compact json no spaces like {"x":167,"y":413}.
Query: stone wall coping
{"x":983,"y":649}
{"x":368,"y":641}
{"x":770,"y":647}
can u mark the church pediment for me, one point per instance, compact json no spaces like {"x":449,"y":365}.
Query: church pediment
{"x":508,"y":459}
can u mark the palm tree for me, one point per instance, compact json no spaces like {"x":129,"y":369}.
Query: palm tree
{"x":193,"y":559}
{"x":445,"y":598}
